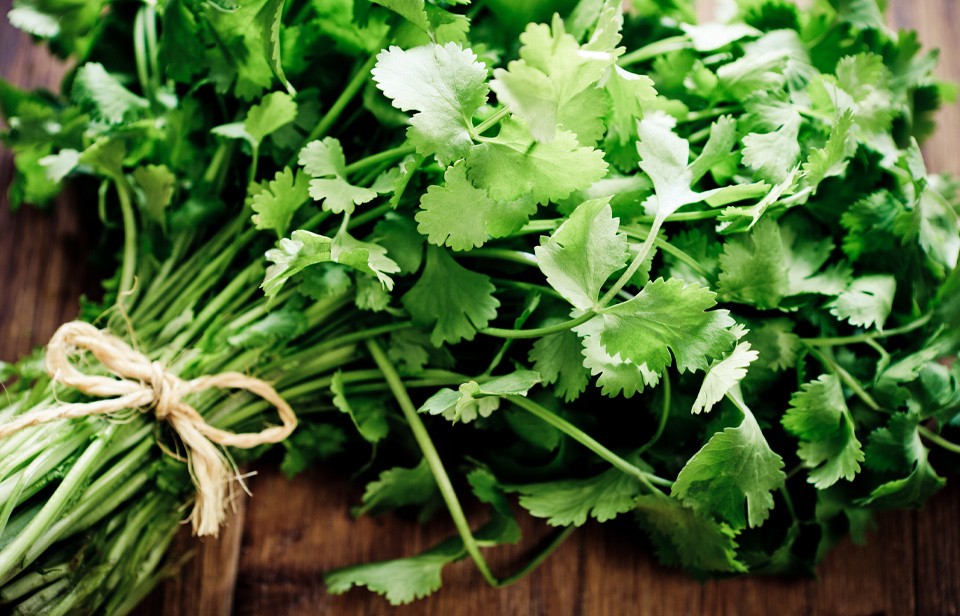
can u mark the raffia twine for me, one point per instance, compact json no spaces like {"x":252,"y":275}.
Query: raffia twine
{"x":147,"y":385}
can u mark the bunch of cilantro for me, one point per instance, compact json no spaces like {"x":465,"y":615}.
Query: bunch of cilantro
{"x":692,"y":273}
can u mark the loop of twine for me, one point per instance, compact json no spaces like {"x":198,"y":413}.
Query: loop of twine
{"x":143,"y":384}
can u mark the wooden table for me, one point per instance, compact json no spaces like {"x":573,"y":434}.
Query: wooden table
{"x":271,"y":557}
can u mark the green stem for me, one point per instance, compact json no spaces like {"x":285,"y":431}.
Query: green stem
{"x":376,"y":159}
{"x":909,"y":327}
{"x":432,"y":457}
{"x":935,"y":438}
{"x":659,"y":48}
{"x":557,"y":540}
{"x":346,"y":95}
{"x":374,"y":214}
{"x":706,"y":114}
{"x":673,"y":251}
{"x":490,"y":122}
{"x":683,"y":216}
{"x":642,"y":255}
{"x":664,"y":415}
{"x":647,"y":479}
{"x":538,"y":332}
{"x":129,"y":266}
{"x":848,"y":379}
{"x":504,"y":254}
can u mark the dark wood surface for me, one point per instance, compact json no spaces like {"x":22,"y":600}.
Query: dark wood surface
{"x":271,"y":557}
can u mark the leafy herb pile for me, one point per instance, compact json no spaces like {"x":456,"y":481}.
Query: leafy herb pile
{"x":692,"y":273}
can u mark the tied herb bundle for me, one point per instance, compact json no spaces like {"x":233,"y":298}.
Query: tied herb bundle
{"x":693,"y":273}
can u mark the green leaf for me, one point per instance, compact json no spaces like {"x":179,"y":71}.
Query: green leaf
{"x":274,"y":111}
{"x":278,"y":326}
{"x":156,"y":184}
{"x":513,"y":165}
{"x":698,"y":542}
{"x":775,"y":343}
{"x":773,"y":155}
{"x":366,"y":257}
{"x":732,"y":476}
{"x":398,"y":234}
{"x":368,"y":415}
{"x":559,"y":360}
{"x":753,"y":268}
{"x":247,"y":37}
{"x":302,"y":249}
{"x":723,"y":376}
{"x":615,"y":374}
{"x":896,"y":449}
{"x":866,"y":302}
{"x":399,"y":487}
{"x":474,"y":400}
{"x":445,"y":85}
{"x":324,"y":161}
{"x":275,"y":202}
{"x":502,"y":526}
{"x":571,"y":501}
{"x":583,"y":253}
{"x":668,"y":316}
{"x":456,"y":214}
{"x":451,"y":301}
{"x":100,"y":92}
{"x":309,"y":444}
{"x":552,"y":73}
{"x":832,"y":159}
{"x":819,"y":416}
{"x":402,"y":580}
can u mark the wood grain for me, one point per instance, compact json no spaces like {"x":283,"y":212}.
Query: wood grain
{"x":272,"y":556}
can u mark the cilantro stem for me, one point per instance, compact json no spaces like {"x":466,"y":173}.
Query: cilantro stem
{"x":539,"y":226}
{"x":683,"y":216}
{"x":642,"y":255}
{"x":659,"y":48}
{"x":432,"y":457}
{"x":487,"y":124}
{"x":140,"y":53}
{"x":129,"y":263}
{"x":538,"y":332}
{"x":664,"y":414}
{"x":706,"y":114}
{"x":376,"y":159}
{"x":935,"y":438}
{"x":504,"y":254}
{"x":673,"y":251}
{"x":349,"y":91}
{"x":555,"y":542}
{"x":909,"y":327}
{"x":848,"y":379}
{"x":647,"y":479}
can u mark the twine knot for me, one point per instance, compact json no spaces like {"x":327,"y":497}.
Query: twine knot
{"x":142,"y":384}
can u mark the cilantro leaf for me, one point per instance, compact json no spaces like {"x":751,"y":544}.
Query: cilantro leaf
{"x":157,"y":184}
{"x":513,"y":165}
{"x":401,"y":580}
{"x":368,"y":415}
{"x":732,"y":476}
{"x":450,"y":300}
{"x":474,"y":400}
{"x":302,"y":249}
{"x":400,"y":487}
{"x":105,"y":96}
{"x":571,"y":501}
{"x":832,"y":159}
{"x":274,"y":111}
{"x":819,"y":416}
{"x":445,"y":85}
{"x":615,"y":375}
{"x":456,"y":214}
{"x":559,"y":360}
{"x":583,"y":252}
{"x":366,"y":257}
{"x":668,"y":316}
{"x":890,"y":449}
{"x":753,"y":268}
{"x":698,"y":541}
{"x":275,"y":202}
{"x":723,"y":376}
{"x":324,"y":161}
{"x":866,"y":302}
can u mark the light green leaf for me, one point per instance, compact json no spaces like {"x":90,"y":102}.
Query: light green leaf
{"x":451,"y":301}
{"x":302,"y":249}
{"x":156,"y":183}
{"x":445,"y":85}
{"x":274,"y":111}
{"x":366,"y":257}
{"x":732,"y":476}
{"x":723,"y":376}
{"x":583,"y":253}
{"x":368,"y":415}
{"x":275,"y":202}
{"x":455,"y":214}
{"x":94,"y":87}
{"x":615,"y":375}
{"x":474,"y":400}
{"x":571,"y":501}
{"x":866,"y":302}
{"x":559,"y":359}
{"x":324,"y":161}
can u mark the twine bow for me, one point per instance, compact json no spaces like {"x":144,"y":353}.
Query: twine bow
{"x":148,"y":385}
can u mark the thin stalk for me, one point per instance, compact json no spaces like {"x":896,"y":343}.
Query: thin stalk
{"x":346,"y":95}
{"x":129,"y":264}
{"x":706,"y":114}
{"x":490,"y":122}
{"x":538,"y":332}
{"x":642,"y":255}
{"x":557,"y":540}
{"x":673,"y":251}
{"x":433,"y":459}
{"x":380,"y":157}
{"x":374,"y":214}
{"x":935,"y":438}
{"x":683,"y":216}
{"x":659,"y":48}
{"x":664,"y":414}
{"x":835,"y":341}
{"x":647,"y":479}
{"x":504,"y":254}
{"x":848,"y":379}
